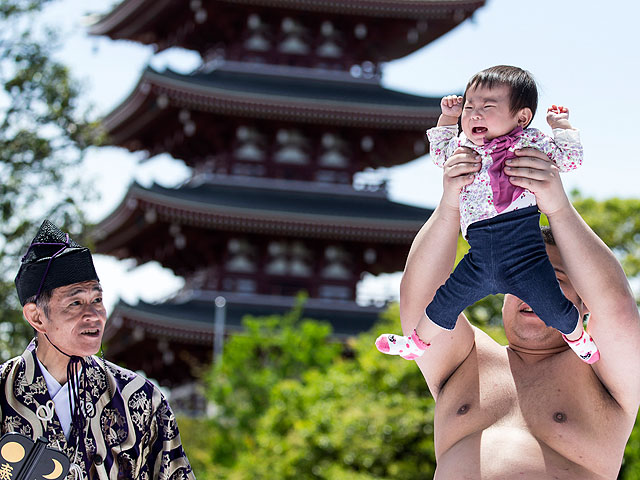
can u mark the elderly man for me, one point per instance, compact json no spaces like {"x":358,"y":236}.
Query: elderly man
{"x":110,"y":422}
{"x":532,"y":409}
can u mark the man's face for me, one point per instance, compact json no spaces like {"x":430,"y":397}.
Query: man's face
{"x":76,"y":319}
{"x":523,"y":327}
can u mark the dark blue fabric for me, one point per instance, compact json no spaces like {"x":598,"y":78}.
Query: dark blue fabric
{"x":507,"y":255}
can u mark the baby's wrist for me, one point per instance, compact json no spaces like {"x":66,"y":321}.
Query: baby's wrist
{"x":444,"y":120}
{"x":562,"y":123}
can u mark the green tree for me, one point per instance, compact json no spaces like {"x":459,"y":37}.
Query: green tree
{"x":617,"y":223}
{"x":43,"y":134}
{"x":292,"y":404}
{"x":365,"y":417}
{"x":270,"y":350}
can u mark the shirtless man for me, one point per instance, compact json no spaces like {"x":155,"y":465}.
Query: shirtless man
{"x":532,"y":409}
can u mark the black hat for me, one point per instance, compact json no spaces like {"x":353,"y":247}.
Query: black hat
{"x":53,"y":260}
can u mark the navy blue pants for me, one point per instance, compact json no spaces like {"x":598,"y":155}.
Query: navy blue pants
{"x":507,"y":255}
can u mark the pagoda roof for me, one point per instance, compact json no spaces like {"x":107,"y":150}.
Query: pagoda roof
{"x":167,"y":23}
{"x":271,"y":94}
{"x":303,"y":209}
{"x":191,"y":321}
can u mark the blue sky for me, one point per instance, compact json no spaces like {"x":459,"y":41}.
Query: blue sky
{"x":584,"y":55}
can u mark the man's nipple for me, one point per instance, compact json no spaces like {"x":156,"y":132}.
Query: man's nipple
{"x":559,"y":417}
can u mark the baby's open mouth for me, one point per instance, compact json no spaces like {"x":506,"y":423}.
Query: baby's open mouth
{"x":479,"y":130}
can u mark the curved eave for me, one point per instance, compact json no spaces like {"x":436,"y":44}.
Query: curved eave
{"x":402,"y":9}
{"x":133,"y":16}
{"x":191,"y":322}
{"x":119,"y":228}
{"x":134,"y":113}
{"x":162,"y":325}
{"x":128,"y":18}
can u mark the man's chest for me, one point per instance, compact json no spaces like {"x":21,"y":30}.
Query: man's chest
{"x":556,"y":402}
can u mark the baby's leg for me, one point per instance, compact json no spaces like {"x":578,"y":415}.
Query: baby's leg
{"x":472,"y":280}
{"x":468,"y":283}
{"x":538,"y":287}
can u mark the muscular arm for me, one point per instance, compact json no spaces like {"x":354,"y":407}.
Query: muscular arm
{"x":602,"y":285}
{"x":597,"y":278}
{"x":429,"y":264}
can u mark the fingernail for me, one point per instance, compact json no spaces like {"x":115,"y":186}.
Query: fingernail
{"x":508,"y":162}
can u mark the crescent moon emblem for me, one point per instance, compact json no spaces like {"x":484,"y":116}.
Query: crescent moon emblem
{"x":57,"y":470}
{"x":12,"y":452}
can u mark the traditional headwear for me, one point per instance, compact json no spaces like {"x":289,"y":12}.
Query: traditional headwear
{"x":53,"y":260}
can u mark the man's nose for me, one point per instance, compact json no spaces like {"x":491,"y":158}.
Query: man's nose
{"x":91,"y":311}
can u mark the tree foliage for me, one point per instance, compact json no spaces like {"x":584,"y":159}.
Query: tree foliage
{"x":43,"y":135}
{"x":617,"y":222}
{"x":270,"y":350}
{"x":346,"y":415}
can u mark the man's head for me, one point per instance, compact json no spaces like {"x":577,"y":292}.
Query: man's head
{"x":60,"y":292}
{"x":73,"y":318}
{"x":522,"y":326}
{"x":496,"y":101}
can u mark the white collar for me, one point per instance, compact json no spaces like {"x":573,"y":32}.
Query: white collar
{"x":60,"y":396}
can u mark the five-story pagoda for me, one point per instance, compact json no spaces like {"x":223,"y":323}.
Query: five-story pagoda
{"x":284,"y":111}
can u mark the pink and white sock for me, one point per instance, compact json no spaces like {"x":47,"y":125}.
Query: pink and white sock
{"x":408,"y":348}
{"x":584,"y":347}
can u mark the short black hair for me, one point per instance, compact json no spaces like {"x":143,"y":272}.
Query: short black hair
{"x":524,"y":92}
{"x":547,"y":235}
{"x":42,"y":301}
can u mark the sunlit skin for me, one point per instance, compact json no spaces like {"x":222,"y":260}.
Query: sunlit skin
{"x":75,"y":324}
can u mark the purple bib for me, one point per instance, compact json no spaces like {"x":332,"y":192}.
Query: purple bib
{"x":504,"y":192}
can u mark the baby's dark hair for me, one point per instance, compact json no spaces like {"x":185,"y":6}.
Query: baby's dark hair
{"x":524,"y":92}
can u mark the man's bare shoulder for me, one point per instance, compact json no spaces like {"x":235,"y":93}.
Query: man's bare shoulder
{"x":484,"y":347}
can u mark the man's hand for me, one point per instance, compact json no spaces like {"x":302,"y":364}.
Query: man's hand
{"x":451,"y":106}
{"x":532,"y":169}
{"x":558,"y":117}
{"x":459,"y":171}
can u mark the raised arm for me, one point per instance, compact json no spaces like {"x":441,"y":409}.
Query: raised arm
{"x":597,"y":278}
{"x":428,"y":266}
{"x":566,"y":149}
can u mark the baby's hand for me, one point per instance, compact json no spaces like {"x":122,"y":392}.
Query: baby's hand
{"x":558,"y":116}
{"x":451,"y":106}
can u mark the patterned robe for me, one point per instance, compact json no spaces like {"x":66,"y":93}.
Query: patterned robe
{"x":130,"y":431}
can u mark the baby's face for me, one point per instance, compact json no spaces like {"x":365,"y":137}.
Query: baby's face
{"x":486,"y":114}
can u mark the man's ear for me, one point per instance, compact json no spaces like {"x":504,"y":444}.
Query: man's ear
{"x":525,"y":115}
{"x":34,"y":316}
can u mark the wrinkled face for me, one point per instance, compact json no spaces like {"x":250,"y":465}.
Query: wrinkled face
{"x":523,"y":327}
{"x":486,"y":113}
{"x":76,"y":319}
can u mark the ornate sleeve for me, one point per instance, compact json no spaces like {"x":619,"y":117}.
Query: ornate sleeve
{"x":564,"y":149}
{"x":167,"y":460}
{"x":443,"y":141}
